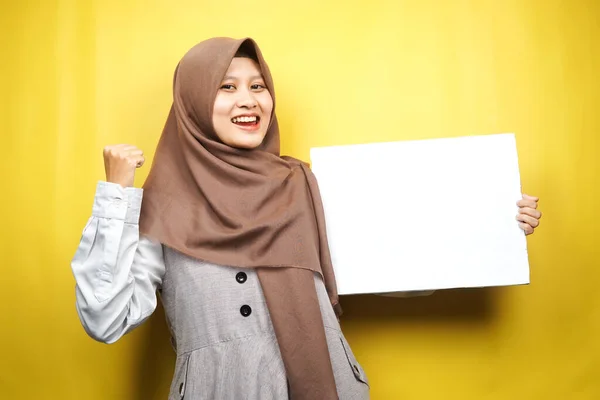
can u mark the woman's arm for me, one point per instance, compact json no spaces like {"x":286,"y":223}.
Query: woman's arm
{"x":117,"y":273}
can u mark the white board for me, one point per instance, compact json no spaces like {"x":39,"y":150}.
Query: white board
{"x":423,"y":215}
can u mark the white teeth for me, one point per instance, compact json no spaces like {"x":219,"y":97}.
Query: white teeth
{"x":244,"y":119}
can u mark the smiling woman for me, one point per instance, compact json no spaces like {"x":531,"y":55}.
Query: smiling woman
{"x":232,"y":234}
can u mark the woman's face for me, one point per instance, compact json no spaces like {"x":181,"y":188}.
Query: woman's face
{"x":243,"y":105}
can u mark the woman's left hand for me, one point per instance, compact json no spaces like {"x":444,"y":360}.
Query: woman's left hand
{"x":529,"y":216}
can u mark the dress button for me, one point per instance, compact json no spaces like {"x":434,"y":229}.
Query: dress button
{"x":245,"y":310}
{"x":241,"y":277}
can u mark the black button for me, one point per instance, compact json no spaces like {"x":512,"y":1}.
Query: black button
{"x":241,"y":277}
{"x":245,"y":310}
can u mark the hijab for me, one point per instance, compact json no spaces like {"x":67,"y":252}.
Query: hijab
{"x":244,"y":208}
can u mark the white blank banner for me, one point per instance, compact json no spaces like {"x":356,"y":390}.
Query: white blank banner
{"x":423,"y":215}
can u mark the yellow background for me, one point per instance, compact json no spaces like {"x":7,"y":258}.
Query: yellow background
{"x":77,"y":75}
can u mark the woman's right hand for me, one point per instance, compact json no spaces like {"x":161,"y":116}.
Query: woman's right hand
{"x":120,"y":162}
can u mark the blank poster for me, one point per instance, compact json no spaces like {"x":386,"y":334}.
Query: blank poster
{"x":423,"y":215}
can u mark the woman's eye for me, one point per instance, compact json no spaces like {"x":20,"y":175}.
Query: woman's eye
{"x":228,"y":87}
{"x":257,"y":86}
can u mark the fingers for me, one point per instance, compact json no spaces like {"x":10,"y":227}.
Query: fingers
{"x":138,"y":161}
{"x":528,"y":197}
{"x":120,"y":163}
{"x":526,"y":228}
{"x":532,"y":212}
{"x":527,"y":203}
{"x":529,"y":216}
{"x":127,"y":152}
{"x":135,"y":153}
{"x":115,"y":148}
{"x":531,"y":221}
{"x":122,"y":149}
{"x":131,"y":151}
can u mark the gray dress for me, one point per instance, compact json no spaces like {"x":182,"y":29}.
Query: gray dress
{"x":219,"y":322}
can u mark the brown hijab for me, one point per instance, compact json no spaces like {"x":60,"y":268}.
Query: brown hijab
{"x":244,"y":208}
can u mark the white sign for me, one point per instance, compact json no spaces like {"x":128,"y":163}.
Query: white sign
{"x":423,"y":215}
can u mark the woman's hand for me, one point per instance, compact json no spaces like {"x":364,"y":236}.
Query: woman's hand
{"x":529,"y":216}
{"x":120,"y":162}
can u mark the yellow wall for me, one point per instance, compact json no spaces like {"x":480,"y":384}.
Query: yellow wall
{"x":78,"y":75}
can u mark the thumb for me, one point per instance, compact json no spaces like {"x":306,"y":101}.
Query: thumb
{"x":139,"y":161}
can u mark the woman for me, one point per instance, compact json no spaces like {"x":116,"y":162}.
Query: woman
{"x":231,"y":235}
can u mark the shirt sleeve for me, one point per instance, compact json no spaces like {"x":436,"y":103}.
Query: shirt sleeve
{"x":117,"y":272}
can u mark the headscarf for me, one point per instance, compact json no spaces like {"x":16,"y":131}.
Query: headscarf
{"x":246,"y":209}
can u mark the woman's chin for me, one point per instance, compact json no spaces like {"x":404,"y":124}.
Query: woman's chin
{"x":249,"y":142}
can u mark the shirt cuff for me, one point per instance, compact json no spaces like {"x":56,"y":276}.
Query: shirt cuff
{"x":134,"y":204}
{"x":115,"y":202}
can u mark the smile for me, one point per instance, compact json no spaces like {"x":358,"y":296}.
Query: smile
{"x":247,"y":122}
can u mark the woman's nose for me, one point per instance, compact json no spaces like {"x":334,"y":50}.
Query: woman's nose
{"x":246,"y":99}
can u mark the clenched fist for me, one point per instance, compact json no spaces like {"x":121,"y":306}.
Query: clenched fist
{"x":120,"y":162}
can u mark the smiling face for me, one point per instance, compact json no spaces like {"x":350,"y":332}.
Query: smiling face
{"x":243,"y":106}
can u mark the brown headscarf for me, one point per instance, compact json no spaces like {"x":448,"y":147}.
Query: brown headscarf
{"x":244,"y":208}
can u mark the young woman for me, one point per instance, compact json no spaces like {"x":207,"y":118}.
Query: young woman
{"x":231,"y":235}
